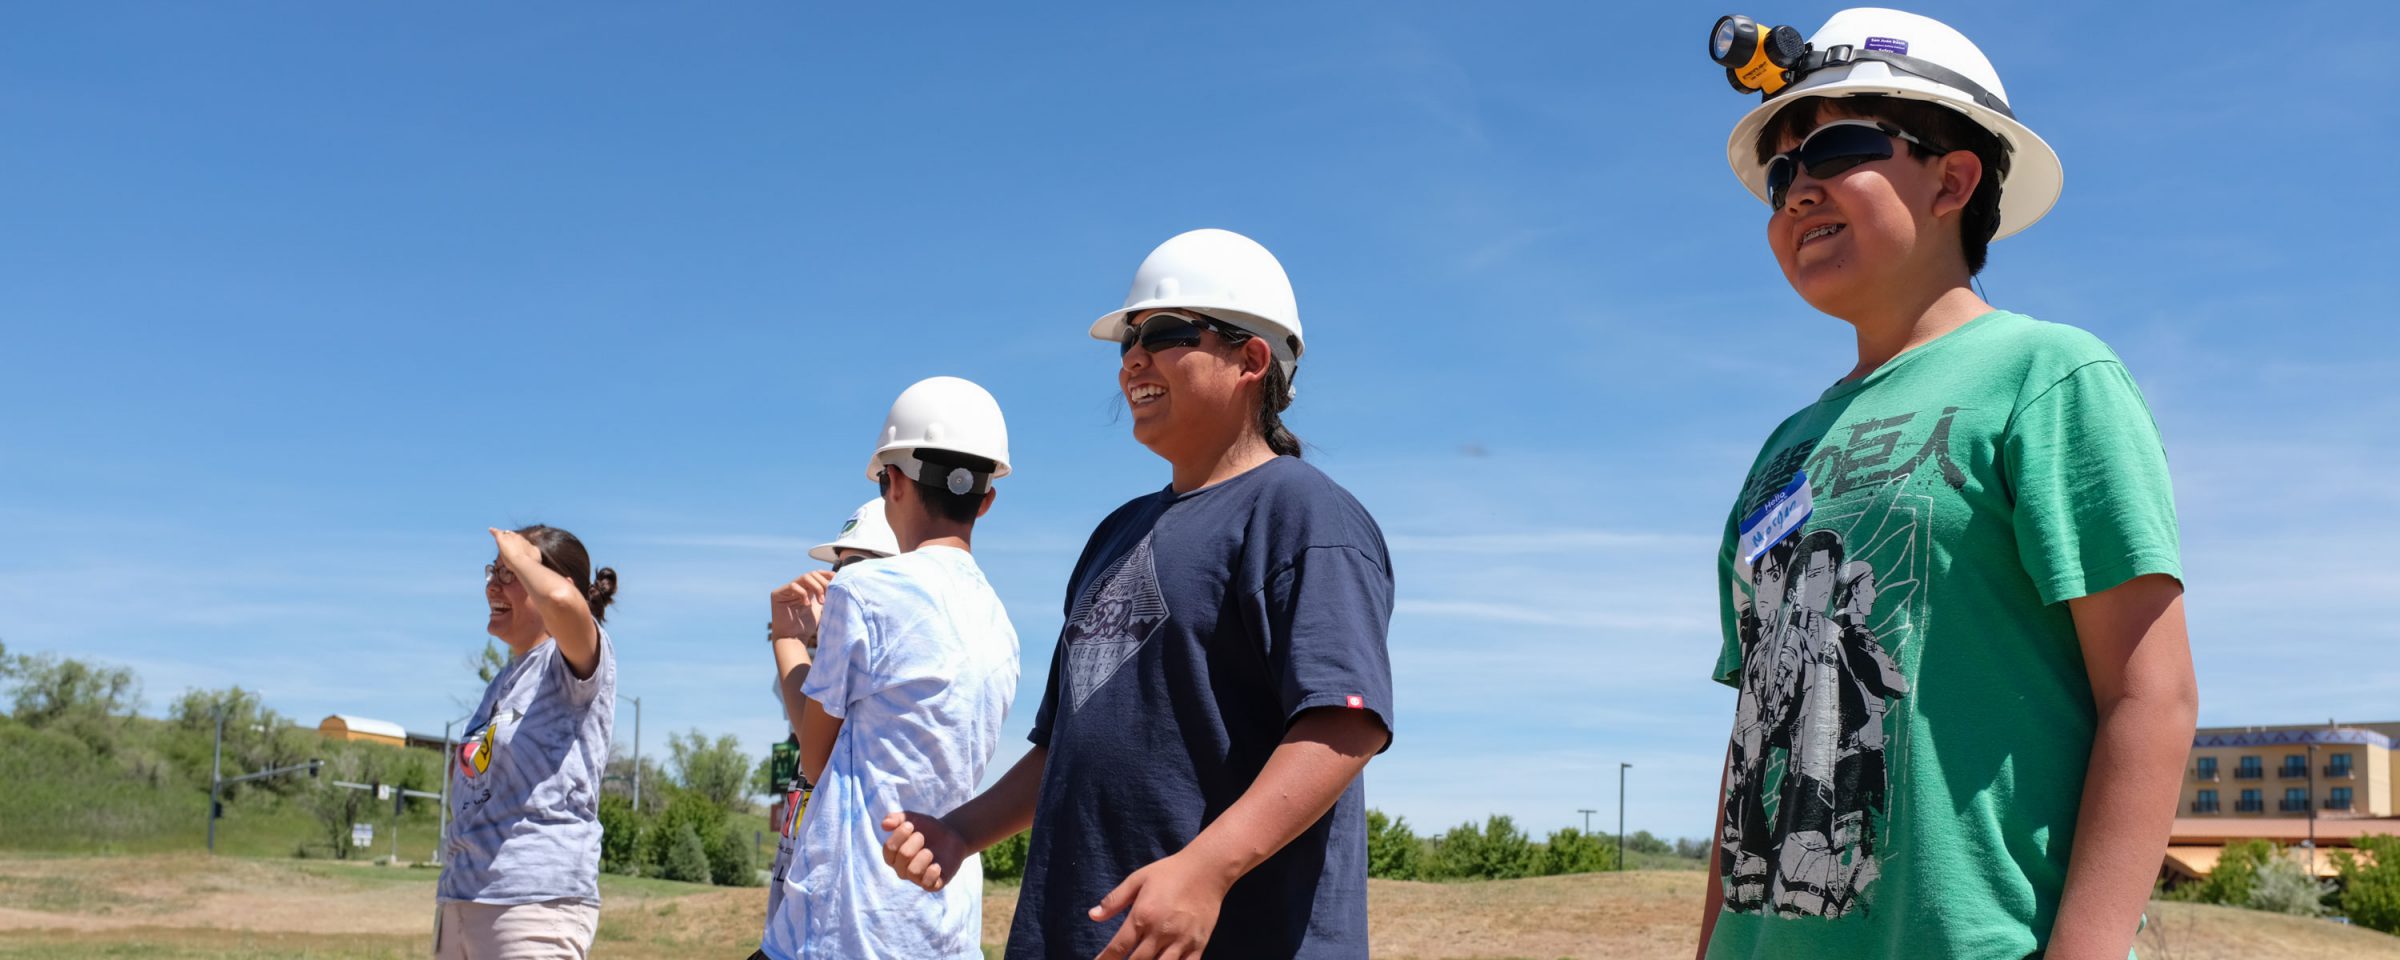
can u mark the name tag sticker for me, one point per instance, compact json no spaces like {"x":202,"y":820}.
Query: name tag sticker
{"x":1777,"y":518}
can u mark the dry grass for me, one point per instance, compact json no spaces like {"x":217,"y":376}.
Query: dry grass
{"x":191,"y":906}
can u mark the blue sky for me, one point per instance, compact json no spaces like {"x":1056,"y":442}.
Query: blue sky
{"x":299,"y":298}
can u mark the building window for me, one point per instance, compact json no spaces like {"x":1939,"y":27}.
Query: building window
{"x":2338,"y":765}
{"x":2295,"y":767}
{"x":2204,"y":768}
{"x":2249,"y":769}
{"x":2205,"y":802}
{"x":2250,"y":802}
{"x":2340,"y":800}
{"x":2295,"y":800}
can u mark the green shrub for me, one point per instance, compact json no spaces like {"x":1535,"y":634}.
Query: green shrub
{"x":1006,"y":860}
{"x":620,"y":835}
{"x":1393,"y":851}
{"x":731,"y":860}
{"x":1574,"y":851}
{"x":686,"y":858}
{"x":2371,"y":892}
{"x":2235,"y":874}
{"x":685,"y":809}
{"x":1499,"y":851}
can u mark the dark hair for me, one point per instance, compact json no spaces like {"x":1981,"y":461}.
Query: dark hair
{"x":1942,"y":129}
{"x":1275,"y":395}
{"x":565,"y":556}
{"x":954,"y":507}
{"x":1272,"y":402}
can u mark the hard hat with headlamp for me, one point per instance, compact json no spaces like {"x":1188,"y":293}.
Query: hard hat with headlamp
{"x":1872,"y":51}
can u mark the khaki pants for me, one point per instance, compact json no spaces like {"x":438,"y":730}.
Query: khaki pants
{"x":549,"y":930}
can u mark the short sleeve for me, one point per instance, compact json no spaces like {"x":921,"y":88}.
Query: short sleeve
{"x":1731,"y":596}
{"x":843,"y":668}
{"x":583,"y":690}
{"x":2093,"y":507}
{"x":1328,"y":615}
{"x":1042,"y":718}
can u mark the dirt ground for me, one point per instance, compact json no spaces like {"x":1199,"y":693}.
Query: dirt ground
{"x":190,"y":906}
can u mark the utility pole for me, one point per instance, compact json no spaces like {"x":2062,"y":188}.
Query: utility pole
{"x":449,"y":756}
{"x":216,"y":775}
{"x":2312,"y":813}
{"x":1621,"y":768}
{"x":1587,"y":819}
{"x":637,"y":753}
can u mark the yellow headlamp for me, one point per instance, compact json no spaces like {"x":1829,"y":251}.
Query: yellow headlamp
{"x":1755,"y":58}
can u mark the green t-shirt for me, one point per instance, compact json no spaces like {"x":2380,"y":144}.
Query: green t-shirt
{"x":1914,"y":718}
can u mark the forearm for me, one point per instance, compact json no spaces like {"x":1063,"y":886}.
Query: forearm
{"x":791,"y":670}
{"x":1318,"y":759}
{"x":1000,"y":812}
{"x":2129,"y":795}
{"x":818,"y":731}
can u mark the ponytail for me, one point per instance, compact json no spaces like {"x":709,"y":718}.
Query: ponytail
{"x":1273,"y":400}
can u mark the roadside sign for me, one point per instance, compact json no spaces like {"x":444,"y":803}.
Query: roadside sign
{"x":362,"y":834}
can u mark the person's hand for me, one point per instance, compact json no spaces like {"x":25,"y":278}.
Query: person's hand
{"x":1170,"y":910}
{"x":797,"y":606}
{"x":922,"y":849}
{"x":518,"y":553}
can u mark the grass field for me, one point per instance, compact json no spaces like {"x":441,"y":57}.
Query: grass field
{"x":192,"y":906}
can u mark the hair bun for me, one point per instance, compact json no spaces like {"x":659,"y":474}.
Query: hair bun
{"x":603,"y":590}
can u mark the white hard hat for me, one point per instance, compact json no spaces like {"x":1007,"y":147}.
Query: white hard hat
{"x":1223,"y":274}
{"x":943,"y":413}
{"x":866,"y":530}
{"x":1869,"y":50}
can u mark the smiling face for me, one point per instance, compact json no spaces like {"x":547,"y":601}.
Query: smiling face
{"x":1187,"y":400}
{"x":1859,"y":240}
{"x":513,"y":619}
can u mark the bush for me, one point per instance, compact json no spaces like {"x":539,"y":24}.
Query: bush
{"x":2284,"y":886}
{"x":1006,"y":860}
{"x":620,"y":835}
{"x":2371,"y":892}
{"x":687,"y":857}
{"x":1499,"y":851}
{"x":685,"y":810}
{"x":1573,"y":851}
{"x":2235,"y":874}
{"x":1393,"y":851}
{"x":731,"y":861}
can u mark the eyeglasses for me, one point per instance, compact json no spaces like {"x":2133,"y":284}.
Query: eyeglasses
{"x":494,"y":571}
{"x":1168,"y":329}
{"x":1831,"y":150}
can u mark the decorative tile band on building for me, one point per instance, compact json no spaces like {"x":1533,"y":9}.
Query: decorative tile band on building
{"x":2271,"y":738}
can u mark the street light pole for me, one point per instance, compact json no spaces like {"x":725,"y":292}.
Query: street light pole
{"x":1621,"y":768}
{"x":637,"y":753}
{"x":449,"y":756}
{"x":216,"y":776}
{"x":1587,"y":819}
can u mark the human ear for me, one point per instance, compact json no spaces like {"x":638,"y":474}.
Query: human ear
{"x":1961,"y":172}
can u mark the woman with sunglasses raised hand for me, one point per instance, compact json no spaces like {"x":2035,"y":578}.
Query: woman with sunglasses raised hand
{"x":521,"y":856}
{"x":1222,"y":677}
{"x":1950,"y":588}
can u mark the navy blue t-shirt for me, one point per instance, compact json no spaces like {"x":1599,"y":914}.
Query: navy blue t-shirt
{"x":1199,"y":626}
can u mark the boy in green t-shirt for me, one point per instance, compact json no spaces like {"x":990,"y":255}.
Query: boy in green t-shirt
{"x":1951,"y":589}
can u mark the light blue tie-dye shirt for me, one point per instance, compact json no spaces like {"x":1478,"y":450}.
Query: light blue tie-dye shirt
{"x":918,"y":659}
{"x":525,"y":784}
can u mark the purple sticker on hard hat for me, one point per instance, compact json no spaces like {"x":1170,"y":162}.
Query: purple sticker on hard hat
{"x":1888,"y":45}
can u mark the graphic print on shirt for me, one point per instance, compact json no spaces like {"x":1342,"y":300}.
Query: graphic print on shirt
{"x":1825,"y":618}
{"x":1111,"y":621}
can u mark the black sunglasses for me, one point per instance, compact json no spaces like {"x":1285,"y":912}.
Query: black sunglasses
{"x":1831,"y":150}
{"x":1168,"y":329}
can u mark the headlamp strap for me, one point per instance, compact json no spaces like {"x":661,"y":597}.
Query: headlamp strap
{"x":1842,"y":55}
